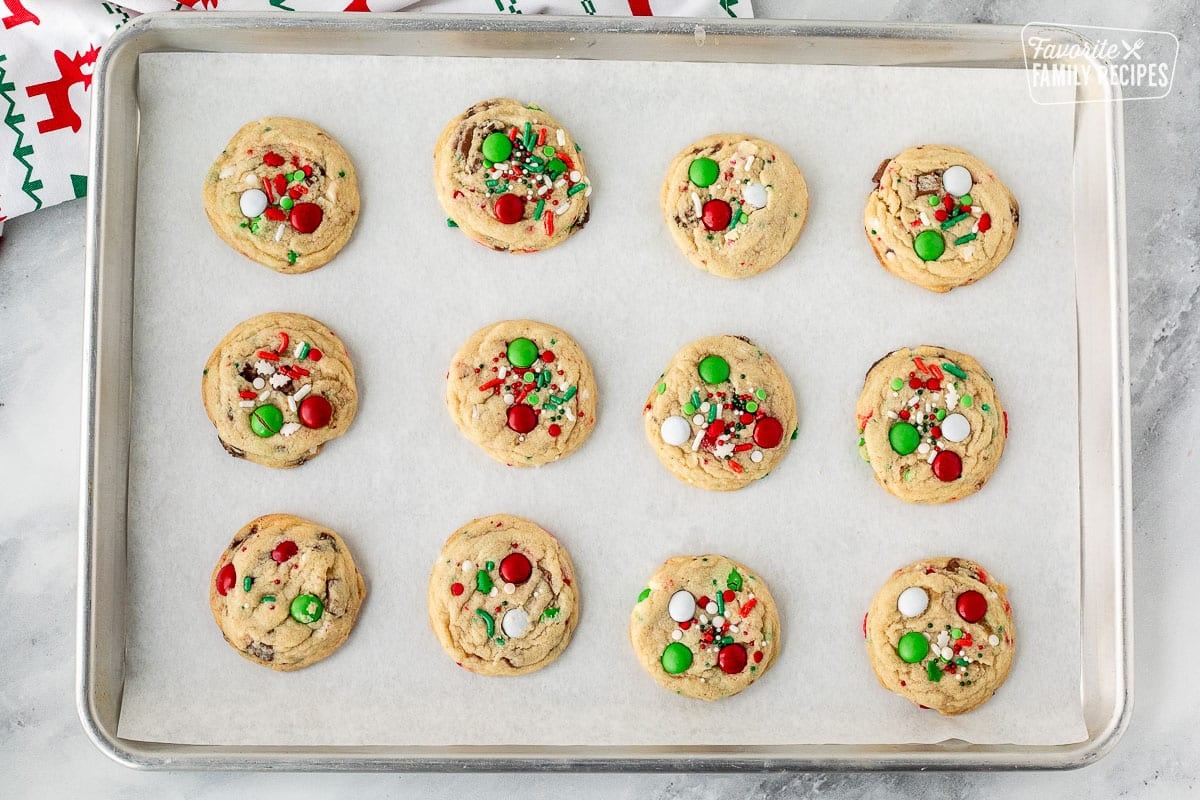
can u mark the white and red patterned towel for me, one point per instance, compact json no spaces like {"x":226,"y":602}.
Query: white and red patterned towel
{"x":48,"y":49}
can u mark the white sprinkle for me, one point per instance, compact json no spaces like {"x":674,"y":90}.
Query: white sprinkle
{"x":703,"y":619}
{"x":493,"y":592}
{"x":292,"y":403}
{"x":891,"y":255}
{"x":756,"y":456}
{"x":947,"y":653}
{"x":588,"y":191}
{"x":560,"y":183}
{"x":677,"y":634}
{"x":967,"y":253}
{"x":575,"y":176}
{"x":247,"y":404}
{"x":225,"y":173}
{"x":924,"y":219}
{"x":509,"y":588}
{"x":696,"y":441}
{"x":259,"y":383}
{"x":975,"y":228}
{"x":733,"y":628}
{"x":543,"y":190}
{"x":509,"y":399}
{"x":558,"y":137}
{"x":923,"y":448}
{"x":279,"y":379}
{"x":302,"y":392}
{"x":698,"y":419}
{"x":263,"y":367}
{"x":977,"y":210}
{"x":468,"y":566}
{"x":696,"y":205}
{"x":932,"y":456}
{"x":875,"y":223}
{"x":711,"y":608}
{"x":570,"y":415}
{"x":749,"y":161}
{"x":250,"y":179}
{"x":289,"y":428}
{"x":263,"y":395}
{"x":993,"y":640}
{"x":915,"y":399}
{"x":705,"y":406}
{"x":719,"y":408}
{"x":892,"y":415}
{"x":502,"y":373}
{"x":278,"y":232}
{"x":475,"y":412}
{"x":718,"y":620}
{"x":562,"y":209}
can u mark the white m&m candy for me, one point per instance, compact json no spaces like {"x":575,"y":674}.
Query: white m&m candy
{"x":675,"y":430}
{"x":957,"y":181}
{"x":912,"y":601}
{"x":682,"y":606}
{"x":253,"y":202}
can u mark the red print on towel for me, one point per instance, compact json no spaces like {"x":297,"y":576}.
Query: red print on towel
{"x":18,"y":14}
{"x":58,"y":91}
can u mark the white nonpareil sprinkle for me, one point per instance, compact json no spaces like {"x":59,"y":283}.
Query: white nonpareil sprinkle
{"x":493,"y":592}
{"x":289,"y":428}
{"x":250,"y":179}
{"x":509,"y":588}
{"x":247,"y":404}
{"x":677,"y":634}
{"x":575,"y":176}
{"x":698,"y":419}
{"x":509,"y":399}
{"x":756,"y":456}
{"x":711,"y":608}
{"x":923,"y":448}
{"x":947,"y":653}
{"x":263,"y":367}
{"x":993,"y":640}
{"x":696,"y":205}
{"x":468,"y":565}
{"x":302,"y":392}
{"x":705,"y":406}
{"x":259,"y":383}
{"x":279,"y":379}
{"x":718,"y":620}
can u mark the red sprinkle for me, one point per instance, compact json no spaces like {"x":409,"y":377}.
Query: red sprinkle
{"x":280,"y":184}
{"x":492,"y":384}
{"x":275,"y":214}
{"x":548,"y":357}
{"x":283,"y":342}
{"x":940,"y":215}
{"x":948,"y":202}
{"x":554,"y":430}
{"x":935,"y":432}
{"x":226,"y":578}
{"x":985,"y":222}
{"x":748,"y":606}
{"x":247,"y":395}
{"x":273,"y":159}
{"x":735,"y":466}
{"x":267,"y":190}
{"x":314,"y":354}
{"x":548,"y":223}
{"x":741,"y":448}
{"x":915,"y":383}
{"x":728,"y":595}
{"x":904,"y":414}
{"x":703,"y":601}
{"x":267,"y":355}
{"x":758,"y":656}
{"x":715,"y":429}
{"x":456,"y":589}
{"x":284,"y":551}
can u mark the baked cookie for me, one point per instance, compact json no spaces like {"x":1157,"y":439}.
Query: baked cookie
{"x":278,"y":387}
{"x":705,"y":627}
{"x":722,"y":414}
{"x":940,"y":633}
{"x":502,"y":596}
{"x":510,"y":177}
{"x":930,"y":424}
{"x":523,"y":391}
{"x":285,"y":593}
{"x":939,"y":217}
{"x":283,"y":193}
{"x":734,"y":204}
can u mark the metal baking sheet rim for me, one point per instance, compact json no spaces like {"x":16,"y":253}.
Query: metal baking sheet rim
{"x":1102,"y":319}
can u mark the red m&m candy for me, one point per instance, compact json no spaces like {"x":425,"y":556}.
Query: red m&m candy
{"x":768,"y":432}
{"x":716,"y":215}
{"x":971,"y":606}
{"x":225,"y":579}
{"x":515,"y":568}
{"x":521,"y":418}
{"x":947,"y":466}
{"x":284,"y":551}
{"x":732,"y":658}
{"x":509,"y":208}
{"x":305,"y":217}
{"x":315,"y":411}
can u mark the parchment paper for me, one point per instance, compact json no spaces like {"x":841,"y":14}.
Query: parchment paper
{"x":407,"y":292}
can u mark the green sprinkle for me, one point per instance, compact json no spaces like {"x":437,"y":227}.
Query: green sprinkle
{"x":292,"y":256}
{"x":908,"y":474}
{"x":576,"y":189}
{"x":761,"y":394}
{"x":662,"y":388}
{"x":534,"y":399}
{"x":966,"y":200}
{"x":751,"y":406}
{"x":941,"y":414}
{"x":933,"y":201}
{"x":962,"y":662}
{"x":953,"y":370}
{"x":985,"y":407}
{"x":491,"y":183}
{"x":970,"y":237}
{"x":795,"y":433}
{"x":499,"y":641}
{"x":897,"y":384}
{"x":537,"y":210}
{"x":720,"y":602}
{"x":966,"y":401}
{"x":304,"y":348}
{"x":956,"y":633}
{"x":527,"y":377}
{"x":734,"y":580}
{"x":950,"y":223}
{"x":547,"y":150}
{"x":451,"y":223}
{"x":571,"y":390}
{"x":286,"y":203}
{"x":487,"y":620}
{"x":645,"y":593}
{"x":341,"y":173}
{"x":491,"y":565}
{"x":933,"y":671}
{"x":483,"y":582}
{"x":695,"y":399}
{"x":247,"y":582}
{"x":244,"y":225}
{"x":743,"y":218}
{"x":712,"y":412}
{"x":267,"y":598}
{"x":689,"y":409}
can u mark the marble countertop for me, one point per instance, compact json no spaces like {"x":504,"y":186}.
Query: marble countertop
{"x":44,"y":752}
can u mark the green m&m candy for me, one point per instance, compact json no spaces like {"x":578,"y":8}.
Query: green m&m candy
{"x":713,"y":369}
{"x":676,"y":658}
{"x":912,"y":647}
{"x":703,"y":172}
{"x":307,"y":608}
{"x":929,"y":245}
{"x":496,"y":147}
{"x":522,"y":353}
{"x":266,"y":421}
{"x":904,"y":438}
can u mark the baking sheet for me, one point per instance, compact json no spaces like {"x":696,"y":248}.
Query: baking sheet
{"x":407,"y":291}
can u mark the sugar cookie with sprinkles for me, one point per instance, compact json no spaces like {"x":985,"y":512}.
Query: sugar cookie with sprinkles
{"x":722,"y":414}
{"x":705,"y":627}
{"x":278,"y":387}
{"x":939,"y":217}
{"x":503,"y":599}
{"x":523,"y":391}
{"x":940,"y":633}
{"x":930,"y":424}
{"x":286,"y":592}
{"x":510,"y":176}
{"x":283,"y":193}
{"x":734,"y":204}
